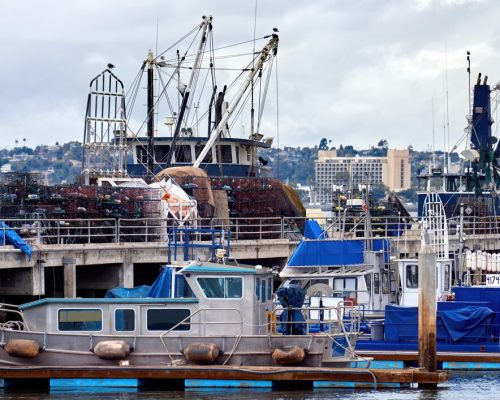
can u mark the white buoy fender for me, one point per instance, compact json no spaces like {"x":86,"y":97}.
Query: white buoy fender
{"x":23,"y":348}
{"x":293,"y":355}
{"x":202,"y":352}
{"x":468,"y":259}
{"x":112,"y":349}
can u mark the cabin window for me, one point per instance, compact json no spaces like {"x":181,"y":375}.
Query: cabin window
{"x":222,"y":288}
{"x":182,"y":288}
{"x":263,"y":297}
{"x":269,"y":288}
{"x":446,"y":284}
{"x":237,"y":151}
{"x":376,"y":283}
{"x":368,"y":281}
{"x":412,"y":276}
{"x":80,"y":320}
{"x":385,"y":282}
{"x":183,"y":154}
{"x":124,"y":320}
{"x":208,"y":157}
{"x":257,"y":288}
{"x":224,"y":153}
{"x":142,"y":154}
{"x":165,"y":319}
{"x":161,"y":152}
{"x":343,"y":287}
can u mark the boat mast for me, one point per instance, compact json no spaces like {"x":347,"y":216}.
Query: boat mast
{"x":205,"y":26}
{"x":151,"y":115}
{"x":268,"y":51}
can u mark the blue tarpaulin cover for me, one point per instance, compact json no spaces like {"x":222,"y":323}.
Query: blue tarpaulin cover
{"x":486,"y":294}
{"x":327,"y":252}
{"x":334,"y":252}
{"x":291,"y":296}
{"x":8,"y":235}
{"x":463,"y":324}
{"x":312,"y":230}
{"x":467,"y":324}
{"x":121,"y":292}
{"x":161,"y":287}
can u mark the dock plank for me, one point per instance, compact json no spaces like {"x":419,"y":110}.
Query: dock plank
{"x":227,"y":373}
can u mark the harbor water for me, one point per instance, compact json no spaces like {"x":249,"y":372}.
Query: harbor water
{"x":462,"y":385}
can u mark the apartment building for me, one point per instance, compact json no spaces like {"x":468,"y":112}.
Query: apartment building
{"x":330,"y":171}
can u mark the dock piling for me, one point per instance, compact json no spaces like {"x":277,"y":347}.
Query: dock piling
{"x":427,"y":308}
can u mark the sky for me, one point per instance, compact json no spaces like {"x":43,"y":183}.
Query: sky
{"x":353,"y":72}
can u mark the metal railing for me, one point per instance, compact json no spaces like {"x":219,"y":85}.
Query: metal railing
{"x":119,"y":230}
{"x":122,"y":230}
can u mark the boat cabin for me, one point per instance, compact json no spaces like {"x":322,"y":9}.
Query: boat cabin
{"x":210,"y":299}
{"x":227,"y":157}
{"x":408,"y":279}
{"x":344,"y":270}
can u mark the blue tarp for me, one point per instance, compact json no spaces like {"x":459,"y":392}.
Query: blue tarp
{"x":291,"y":296}
{"x":312,"y":229}
{"x":10,"y":236}
{"x":462,"y":324}
{"x":327,"y":252}
{"x":385,"y":246}
{"x":121,"y":292}
{"x":161,"y":287}
{"x":482,"y":294}
{"x":469,"y":324}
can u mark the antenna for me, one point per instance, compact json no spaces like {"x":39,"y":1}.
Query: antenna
{"x":470,"y":104}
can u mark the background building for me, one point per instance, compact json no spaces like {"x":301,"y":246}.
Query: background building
{"x":331,"y":171}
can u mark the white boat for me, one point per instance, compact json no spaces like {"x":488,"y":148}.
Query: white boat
{"x":214,"y":314}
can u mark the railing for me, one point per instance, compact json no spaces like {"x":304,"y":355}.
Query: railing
{"x":122,"y":230}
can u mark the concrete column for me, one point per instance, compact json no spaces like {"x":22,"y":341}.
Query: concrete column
{"x":69,"y":265}
{"x":126,"y":274}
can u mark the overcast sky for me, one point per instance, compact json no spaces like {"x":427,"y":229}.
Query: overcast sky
{"x":351,"y":71}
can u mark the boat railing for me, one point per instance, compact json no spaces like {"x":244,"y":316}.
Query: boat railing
{"x":57,"y":231}
{"x":344,"y":317}
{"x":204,"y":322}
{"x":14,"y":318}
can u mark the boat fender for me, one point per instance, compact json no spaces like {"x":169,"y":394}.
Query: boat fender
{"x":293,"y":355}
{"x":112,"y":349}
{"x":23,"y":348}
{"x":202,"y":352}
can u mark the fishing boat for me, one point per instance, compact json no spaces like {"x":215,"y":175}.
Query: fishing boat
{"x":198,"y":145}
{"x":471,"y":186}
{"x":195,"y":313}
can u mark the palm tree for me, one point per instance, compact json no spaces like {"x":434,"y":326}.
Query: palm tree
{"x":17,"y":141}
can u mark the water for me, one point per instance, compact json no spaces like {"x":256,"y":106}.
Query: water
{"x":462,"y":386}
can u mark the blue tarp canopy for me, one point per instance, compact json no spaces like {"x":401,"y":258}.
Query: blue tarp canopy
{"x":312,"y":229}
{"x":293,"y":323}
{"x":327,"y":252}
{"x":8,"y":235}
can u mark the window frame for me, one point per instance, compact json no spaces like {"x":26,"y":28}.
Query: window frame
{"x":222,"y":277}
{"x":79,"y":309}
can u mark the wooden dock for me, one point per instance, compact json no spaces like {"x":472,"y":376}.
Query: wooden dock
{"x":19,"y":375}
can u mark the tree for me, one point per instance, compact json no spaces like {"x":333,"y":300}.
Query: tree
{"x":383,"y":143}
{"x":323,"y":144}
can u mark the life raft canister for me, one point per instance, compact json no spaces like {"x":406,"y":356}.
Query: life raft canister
{"x":293,"y":355}
{"x":112,"y":349}
{"x":202,"y":352}
{"x":23,"y":348}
